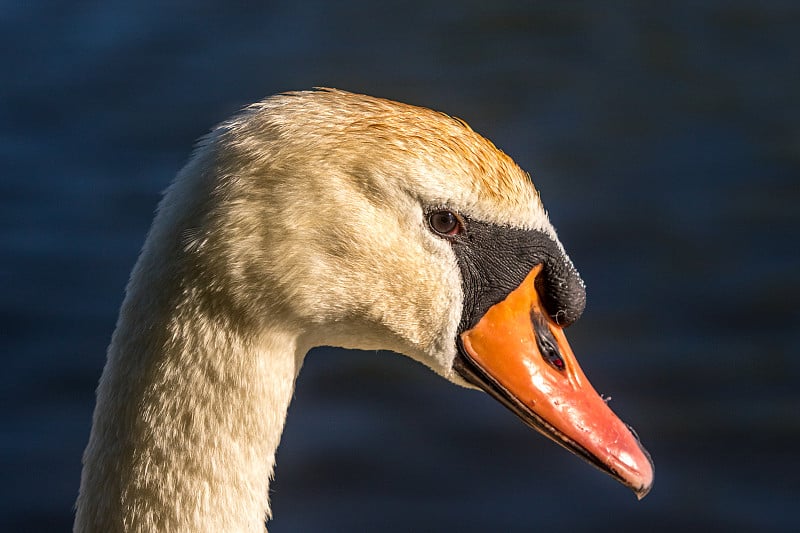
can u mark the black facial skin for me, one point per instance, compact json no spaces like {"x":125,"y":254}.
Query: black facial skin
{"x":494,"y":260}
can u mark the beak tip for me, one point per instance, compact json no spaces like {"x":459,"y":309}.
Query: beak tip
{"x":642,"y":491}
{"x":646,"y":480}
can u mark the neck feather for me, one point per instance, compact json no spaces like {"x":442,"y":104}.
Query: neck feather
{"x":190,"y":410}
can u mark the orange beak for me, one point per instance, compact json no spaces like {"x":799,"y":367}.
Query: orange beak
{"x":522,"y":358}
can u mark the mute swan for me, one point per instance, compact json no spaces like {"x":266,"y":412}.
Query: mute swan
{"x":328,"y":218}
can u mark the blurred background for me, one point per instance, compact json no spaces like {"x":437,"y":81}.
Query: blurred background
{"x":664,"y":137}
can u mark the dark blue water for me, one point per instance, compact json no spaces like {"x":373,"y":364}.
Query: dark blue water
{"x":665,"y":141}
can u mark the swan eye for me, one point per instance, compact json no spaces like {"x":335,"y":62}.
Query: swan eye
{"x":445,"y":223}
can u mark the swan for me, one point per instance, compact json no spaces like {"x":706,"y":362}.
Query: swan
{"x":315,"y":218}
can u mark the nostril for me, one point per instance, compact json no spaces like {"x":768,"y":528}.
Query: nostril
{"x":548,"y":347}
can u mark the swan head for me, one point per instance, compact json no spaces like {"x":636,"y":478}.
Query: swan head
{"x":370,"y":224}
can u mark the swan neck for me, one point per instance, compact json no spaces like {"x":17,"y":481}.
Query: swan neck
{"x":189,"y":414}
